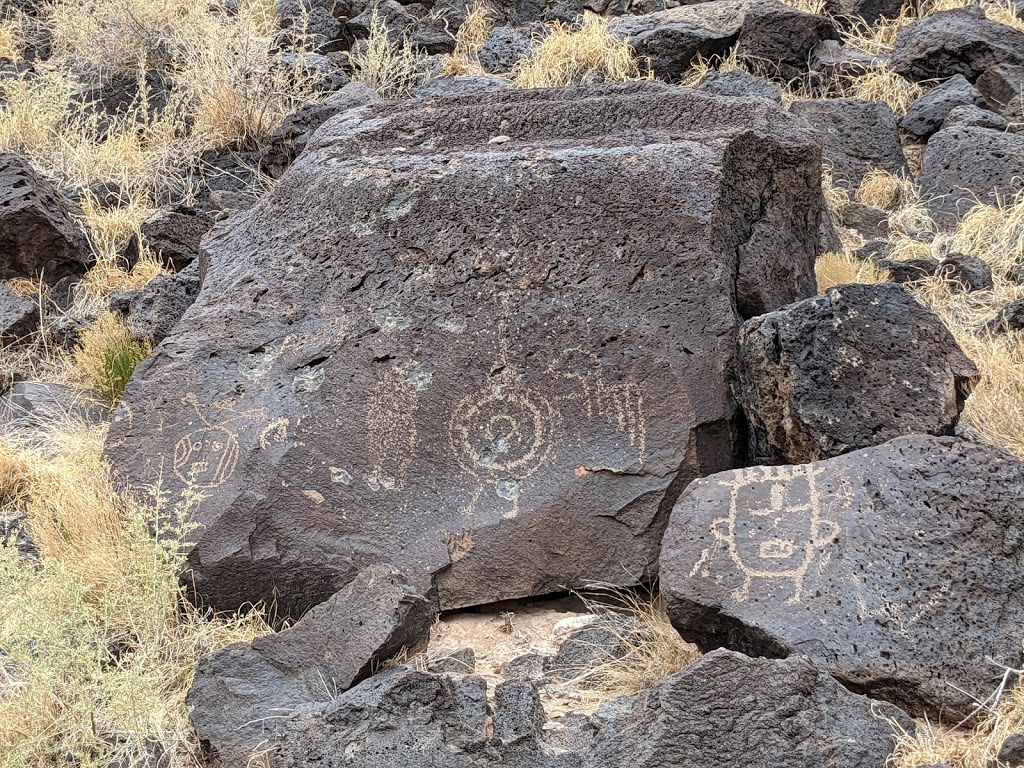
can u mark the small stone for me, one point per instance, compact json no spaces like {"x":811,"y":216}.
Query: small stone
{"x":457,"y":662}
{"x":966,"y":273}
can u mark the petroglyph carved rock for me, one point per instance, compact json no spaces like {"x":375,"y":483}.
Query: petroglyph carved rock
{"x":499,"y":362}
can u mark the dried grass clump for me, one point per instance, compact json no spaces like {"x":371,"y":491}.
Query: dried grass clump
{"x":807,"y":6}
{"x":574,"y":54}
{"x":1000,"y":717}
{"x":10,"y":39}
{"x":469,"y":41}
{"x":994,"y":233}
{"x":390,"y":67}
{"x":653,"y":648}
{"x":882,"y":84}
{"x":885,"y":190}
{"x":99,"y":645}
{"x":832,"y":269}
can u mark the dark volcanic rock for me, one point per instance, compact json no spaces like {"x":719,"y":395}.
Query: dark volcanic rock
{"x":172,"y":235}
{"x":927,"y":114}
{"x":850,"y":369}
{"x":30,"y":404}
{"x":963,"y":165}
{"x":402,"y":718}
{"x":458,"y":86}
{"x":869,"y":10}
{"x":870,"y":222}
{"x":586,"y":649}
{"x":1010,"y":318}
{"x":673,"y":38}
{"x":728,"y":710}
{"x":740,"y":84}
{"x":504,"y":48}
{"x":967,"y":273}
{"x":1003,"y":90}
{"x":241,"y":692}
{"x":416,"y":357}
{"x":1011,"y":753}
{"x":975,"y":117}
{"x":290,"y":138}
{"x":962,"y":41}
{"x":857,"y":136}
{"x":37,"y":233}
{"x":19,"y":315}
{"x":154,"y":310}
{"x":782,"y":37}
{"x":896,"y":567}
{"x":909,"y":270}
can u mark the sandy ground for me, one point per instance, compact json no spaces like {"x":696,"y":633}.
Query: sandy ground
{"x":502,"y":632}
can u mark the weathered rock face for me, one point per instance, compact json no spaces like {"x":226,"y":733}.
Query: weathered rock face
{"x":19,"y":316}
{"x":964,"y":164}
{"x":786,"y":713}
{"x":442,"y":358}
{"x":37,"y":234}
{"x":957,"y":42}
{"x":927,"y":114}
{"x":154,"y":310}
{"x":851,"y":369}
{"x":857,"y":136}
{"x":172,"y":235}
{"x":897,"y":567}
{"x":240,"y":692}
{"x":673,"y":38}
{"x":730,"y":710}
{"x":1003,"y":89}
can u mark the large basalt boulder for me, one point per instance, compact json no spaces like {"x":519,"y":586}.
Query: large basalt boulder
{"x":423,"y":346}
{"x":153,"y":311}
{"x":670,"y":40}
{"x":38,"y":236}
{"x":782,"y":38}
{"x":896,"y":567}
{"x":927,"y":114}
{"x":851,"y":369}
{"x":857,"y":136}
{"x":731,"y":711}
{"x":962,"y":41}
{"x":964,"y":165}
{"x":241,"y":692}
{"x":172,"y":235}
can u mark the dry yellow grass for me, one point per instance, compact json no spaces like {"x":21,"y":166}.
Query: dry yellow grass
{"x":832,"y":269}
{"x":995,"y":233}
{"x":469,"y":40}
{"x":978,"y":748}
{"x":106,"y":356}
{"x":10,"y":39}
{"x":571,"y":54}
{"x":882,"y":84}
{"x":390,"y":67}
{"x":653,"y":648}
{"x":885,"y":190}
{"x":99,"y":647}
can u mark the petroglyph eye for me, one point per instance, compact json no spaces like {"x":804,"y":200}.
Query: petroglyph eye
{"x":777,"y":549}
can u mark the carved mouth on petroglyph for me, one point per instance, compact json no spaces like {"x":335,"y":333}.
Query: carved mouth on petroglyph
{"x":776,"y":549}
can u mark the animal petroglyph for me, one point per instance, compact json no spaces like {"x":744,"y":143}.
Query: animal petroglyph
{"x":208,"y":456}
{"x":774,"y":528}
{"x":391,"y":436}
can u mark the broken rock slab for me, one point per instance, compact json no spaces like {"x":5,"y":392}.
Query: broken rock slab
{"x":422,"y":347}
{"x":243,"y":693}
{"x":731,"y":711}
{"x":853,"y":368}
{"x":38,"y":236}
{"x":896,"y":567}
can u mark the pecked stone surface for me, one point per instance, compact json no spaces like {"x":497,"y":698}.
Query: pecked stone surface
{"x":897,"y":567}
{"x":488,"y":339}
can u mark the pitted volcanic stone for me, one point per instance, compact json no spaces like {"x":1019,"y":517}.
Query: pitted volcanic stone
{"x":896,"y":567}
{"x":850,"y":369}
{"x":38,"y":236}
{"x":488,"y":339}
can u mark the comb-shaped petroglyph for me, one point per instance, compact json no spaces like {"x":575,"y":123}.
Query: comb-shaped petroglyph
{"x":391,"y":435}
{"x":774,"y":530}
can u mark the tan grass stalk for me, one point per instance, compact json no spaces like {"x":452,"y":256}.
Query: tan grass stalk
{"x":390,"y":67}
{"x":571,"y":54}
{"x":832,"y":269}
{"x":469,"y":40}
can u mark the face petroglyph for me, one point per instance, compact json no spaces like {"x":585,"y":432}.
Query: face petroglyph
{"x":774,"y":535}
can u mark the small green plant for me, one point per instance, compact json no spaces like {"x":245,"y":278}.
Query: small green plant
{"x":107,"y":356}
